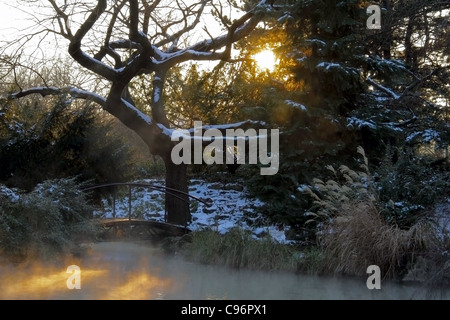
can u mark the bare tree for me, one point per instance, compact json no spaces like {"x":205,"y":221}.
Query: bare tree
{"x":120,"y":40}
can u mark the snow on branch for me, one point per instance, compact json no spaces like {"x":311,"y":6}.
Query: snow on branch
{"x":47,"y":91}
{"x":383,"y":88}
{"x":247,"y":124}
{"x":236,"y":125}
{"x":418,"y":82}
{"x":77,"y":94}
{"x":207,"y":49}
{"x":80,"y":56}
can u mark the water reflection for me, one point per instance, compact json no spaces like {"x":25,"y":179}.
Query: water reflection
{"x":135,"y":271}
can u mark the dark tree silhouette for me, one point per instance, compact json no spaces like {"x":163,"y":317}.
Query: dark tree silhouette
{"x":118,"y":41}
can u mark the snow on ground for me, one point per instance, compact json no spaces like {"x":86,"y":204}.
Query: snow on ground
{"x":229,"y":206}
{"x":9,"y":193}
{"x":443,"y":217}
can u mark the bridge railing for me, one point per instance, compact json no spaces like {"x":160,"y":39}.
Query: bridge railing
{"x":166,"y":190}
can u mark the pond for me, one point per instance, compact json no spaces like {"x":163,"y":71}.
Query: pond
{"x":127,"y":270}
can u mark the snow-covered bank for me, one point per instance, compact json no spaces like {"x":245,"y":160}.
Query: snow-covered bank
{"x":231,"y":206}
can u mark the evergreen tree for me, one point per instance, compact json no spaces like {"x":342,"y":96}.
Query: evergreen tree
{"x":318,"y":84}
{"x":41,"y":141}
{"x":343,"y":85}
{"x":408,"y":100}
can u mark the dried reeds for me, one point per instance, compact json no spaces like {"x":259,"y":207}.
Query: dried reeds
{"x":359,"y":237}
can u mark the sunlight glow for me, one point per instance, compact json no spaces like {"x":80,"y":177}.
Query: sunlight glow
{"x":266,"y":60}
{"x":36,"y":281}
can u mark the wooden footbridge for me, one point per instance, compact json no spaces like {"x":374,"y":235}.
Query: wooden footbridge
{"x":142,"y":229}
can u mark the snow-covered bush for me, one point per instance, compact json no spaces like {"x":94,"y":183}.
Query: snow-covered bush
{"x":409,"y":185}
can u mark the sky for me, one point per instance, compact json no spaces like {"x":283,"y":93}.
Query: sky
{"x":11,"y":18}
{"x":14,"y":17}
{"x":13,"y":21}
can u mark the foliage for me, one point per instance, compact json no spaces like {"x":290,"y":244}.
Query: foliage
{"x":339,"y":85}
{"x":358,"y":237}
{"x":433,"y":267}
{"x":347,"y":185}
{"x":355,"y":229}
{"x":54,"y":140}
{"x":238,"y":249}
{"x":152,"y":169}
{"x":402,"y":191}
{"x":311,"y":261}
{"x":120,"y":43}
{"x":48,"y":221}
{"x":316,"y":86}
{"x":194,"y":94}
{"x":410,"y":185}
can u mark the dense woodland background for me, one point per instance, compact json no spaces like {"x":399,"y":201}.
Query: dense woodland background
{"x":363,"y":117}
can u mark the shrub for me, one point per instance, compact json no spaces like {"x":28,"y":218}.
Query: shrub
{"x":436,"y":268}
{"x":354,"y":233}
{"x":409,"y":184}
{"x":346,"y":185}
{"x":359,"y":237}
{"x":56,"y":140}
{"x":154,"y":168}
{"x":312,"y":261}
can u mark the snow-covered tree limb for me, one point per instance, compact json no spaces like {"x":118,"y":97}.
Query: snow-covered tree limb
{"x":383,"y":88}
{"x":414,"y":85}
{"x":47,"y":91}
{"x":247,"y":124}
{"x":77,"y":94}
{"x":80,"y":56}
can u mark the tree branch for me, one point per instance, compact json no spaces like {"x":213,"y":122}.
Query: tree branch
{"x":47,"y":91}
{"x":107,"y":48}
{"x":206,"y":49}
{"x":383,"y":88}
{"x":65,"y":28}
{"x":81,"y":57}
{"x":170,"y":38}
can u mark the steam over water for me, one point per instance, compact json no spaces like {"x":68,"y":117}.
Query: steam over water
{"x":114,"y":270}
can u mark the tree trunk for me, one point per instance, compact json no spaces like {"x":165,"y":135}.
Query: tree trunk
{"x":408,"y":44}
{"x":387,"y":30}
{"x":177,"y":204}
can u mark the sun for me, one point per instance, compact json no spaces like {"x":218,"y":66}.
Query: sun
{"x":265,"y":60}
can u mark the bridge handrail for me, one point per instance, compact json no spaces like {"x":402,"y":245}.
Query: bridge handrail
{"x":159,"y":188}
{"x":151,"y":186}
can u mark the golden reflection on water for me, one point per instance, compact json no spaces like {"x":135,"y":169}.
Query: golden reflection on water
{"x":51,"y":284}
{"x":38,"y":282}
{"x":139,"y":287}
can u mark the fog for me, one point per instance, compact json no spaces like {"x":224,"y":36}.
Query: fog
{"x":121,"y":270}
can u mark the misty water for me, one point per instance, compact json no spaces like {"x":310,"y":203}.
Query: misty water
{"x":125,"y":270}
